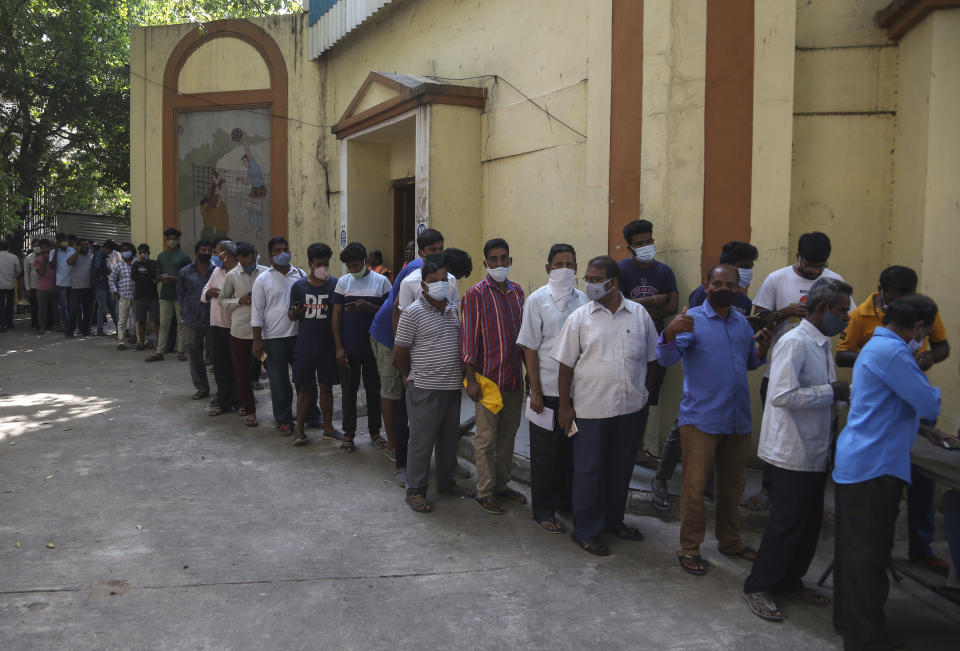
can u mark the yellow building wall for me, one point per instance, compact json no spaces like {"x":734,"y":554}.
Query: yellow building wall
{"x":369,"y":193}
{"x":224,"y":64}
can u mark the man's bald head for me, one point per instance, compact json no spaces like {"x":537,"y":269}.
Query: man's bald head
{"x":725,"y":271}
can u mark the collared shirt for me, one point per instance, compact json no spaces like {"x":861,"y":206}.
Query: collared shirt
{"x":193,"y":312}
{"x":889,"y":396}
{"x":716,"y":357}
{"x":795,"y":434}
{"x":382,"y":327}
{"x":271,"y":301}
{"x":237,"y":284}
{"x":114,"y":259}
{"x":410,"y":289}
{"x":9,"y":270}
{"x":82,"y":265}
{"x":488,"y":338}
{"x":433,"y":337}
{"x":866,"y":318}
{"x":121,"y":282}
{"x":29,"y":272}
{"x":100,"y":270}
{"x":219,"y":316}
{"x":540,"y":330}
{"x":64,"y":270}
{"x":609,"y":353}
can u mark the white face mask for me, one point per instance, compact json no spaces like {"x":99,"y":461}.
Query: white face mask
{"x":499,"y":274}
{"x":36,"y":249}
{"x":561,"y":282}
{"x":438,"y":290}
{"x":746,"y":277}
{"x":914,"y":346}
{"x":644,"y":254}
{"x":596,"y":291}
{"x":320,"y":273}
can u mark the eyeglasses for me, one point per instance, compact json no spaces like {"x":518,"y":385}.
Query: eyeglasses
{"x":811,"y":266}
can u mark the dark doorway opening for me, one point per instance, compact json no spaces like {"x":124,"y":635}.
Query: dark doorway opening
{"x":404,"y":223}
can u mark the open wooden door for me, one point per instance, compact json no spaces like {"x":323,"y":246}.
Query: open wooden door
{"x":404,"y":223}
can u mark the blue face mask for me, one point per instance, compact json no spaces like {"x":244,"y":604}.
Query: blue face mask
{"x":249,"y":268}
{"x":216,"y":261}
{"x":833,"y":325}
{"x":126,"y":255}
{"x":282,"y":259}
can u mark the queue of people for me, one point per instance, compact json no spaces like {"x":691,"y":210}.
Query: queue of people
{"x":585,"y":366}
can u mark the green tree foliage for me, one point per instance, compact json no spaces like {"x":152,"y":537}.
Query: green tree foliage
{"x":65,"y":95}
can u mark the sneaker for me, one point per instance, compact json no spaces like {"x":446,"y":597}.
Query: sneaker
{"x":401,"y":478}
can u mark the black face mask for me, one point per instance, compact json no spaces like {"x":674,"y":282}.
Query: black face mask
{"x":722,"y":297}
{"x":203,"y":258}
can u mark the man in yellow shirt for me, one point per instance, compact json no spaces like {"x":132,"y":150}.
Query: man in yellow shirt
{"x":897,"y":281}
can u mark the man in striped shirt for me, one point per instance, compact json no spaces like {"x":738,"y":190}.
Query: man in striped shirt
{"x":121,"y":286}
{"x":427,"y":352}
{"x":488,"y":346}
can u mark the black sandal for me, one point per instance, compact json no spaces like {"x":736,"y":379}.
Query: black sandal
{"x":348,"y":445}
{"x":419,"y":503}
{"x":378,"y":441}
{"x":512,"y":496}
{"x":593,"y":545}
{"x":550,"y":525}
{"x":661,"y":495}
{"x":626,"y":533}
{"x":699,"y":569}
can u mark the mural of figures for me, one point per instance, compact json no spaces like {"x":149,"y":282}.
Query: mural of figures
{"x":224,"y":175}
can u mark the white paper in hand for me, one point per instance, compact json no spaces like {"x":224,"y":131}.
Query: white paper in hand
{"x":544,"y":419}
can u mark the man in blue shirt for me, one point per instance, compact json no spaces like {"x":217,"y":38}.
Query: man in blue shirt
{"x":891,"y":399}
{"x":716,"y":344}
{"x":66,"y":248}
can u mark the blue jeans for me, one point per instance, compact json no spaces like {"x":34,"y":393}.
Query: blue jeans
{"x":105,"y":302}
{"x":63,"y":301}
{"x":920,"y":498}
{"x":279,"y":360}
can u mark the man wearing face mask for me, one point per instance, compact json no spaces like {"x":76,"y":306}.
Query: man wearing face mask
{"x":741,"y":255}
{"x":99,"y":276}
{"x":891,"y":401}
{"x":145,"y":276}
{"x":30,"y":281}
{"x":315,"y":369}
{"x":795,"y":440}
{"x":896,"y":282}
{"x":170,"y":261}
{"x":358,"y":297}
{"x":427,"y":352}
{"x":274,"y":332}
{"x":10,"y":269}
{"x":780,"y":305}
{"x":227,"y":399}
{"x":59,"y":256}
{"x":492,"y":311}
{"x":551,"y":450}
{"x":606,"y":352}
{"x":123,"y":289}
{"x":717,"y":347}
{"x":652,"y":284}
{"x":81,"y":291}
{"x":196,"y":313}
{"x":235,"y":296}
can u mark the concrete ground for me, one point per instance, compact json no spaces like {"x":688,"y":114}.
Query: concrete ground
{"x":130,"y":519}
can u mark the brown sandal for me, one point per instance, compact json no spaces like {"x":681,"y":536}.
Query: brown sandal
{"x":252,"y":421}
{"x":418,"y":503}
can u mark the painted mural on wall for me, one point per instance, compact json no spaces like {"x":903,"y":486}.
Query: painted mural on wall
{"x":224,"y":175}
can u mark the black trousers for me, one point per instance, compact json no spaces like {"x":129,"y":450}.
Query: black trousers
{"x":362,"y":368}
{"x":34,"y":320}
{"x":551,"y":467}
{"x":866,"y":515}
{"x":402,"y":431}
{"x":7,"y":308}
{"x":81,"y":310}
{"x":227,"y":397}
{"x":793,"y":528}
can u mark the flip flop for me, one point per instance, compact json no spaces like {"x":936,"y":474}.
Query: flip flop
{"x":699,"y":570}
{"x":546,"y":523}
{"x":593,"y":545}
{"x":746,"y":552}
{"x":419,"y":503}
{"x":378,"y":441}
{"x":252,"y":421}
{"x":626,"y":533}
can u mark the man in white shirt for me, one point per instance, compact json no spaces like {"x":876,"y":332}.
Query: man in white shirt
{"x":9,"y":270}
{"x":795,"y":441}
{"x":227,"y":398}
{"x":235,"y":296}
{"x":607,"y":350}
{"x":30,"y":281}
{"x":781,"y":305}
{"x":274,"y":332}
{"x":551,"y":450}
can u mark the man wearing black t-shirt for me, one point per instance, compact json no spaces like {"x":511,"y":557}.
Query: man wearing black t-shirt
{"x":315,"y":355}
{"x":145,"y":275}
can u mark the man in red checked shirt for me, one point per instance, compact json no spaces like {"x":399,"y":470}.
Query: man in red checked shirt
{"x":492,"y":312}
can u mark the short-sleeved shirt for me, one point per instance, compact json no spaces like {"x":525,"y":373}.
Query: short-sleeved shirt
{"x":9,"y":270}
{"x":780,"y":289}
{"x":540,"y":328}
{"x":81,"y":270}
{"x":866,"y":318}
{"x":410,"y":289}
{"x":171,"y":264}
{"x":316,"y":327}
{"x":64,"y":270}
{"x":433,"y":337}
{"x":45,"y":281}
{"x":382,"y":327}
{"x":641,"y":282}
{"x":608,"y":353}
{"x":372,"y":288}
{"x":144,"y":274}
{"x":741,"y":304}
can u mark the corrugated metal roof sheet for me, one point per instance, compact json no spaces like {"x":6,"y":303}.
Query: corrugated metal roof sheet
{"x":97,"y":228}
{"x":331,"y":21}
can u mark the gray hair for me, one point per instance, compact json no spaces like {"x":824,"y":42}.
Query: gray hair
{"x":228,"y":246}
{"x":827,"y":290}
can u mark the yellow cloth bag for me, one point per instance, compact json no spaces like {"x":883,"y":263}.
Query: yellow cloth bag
{"x":489,"y":393}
